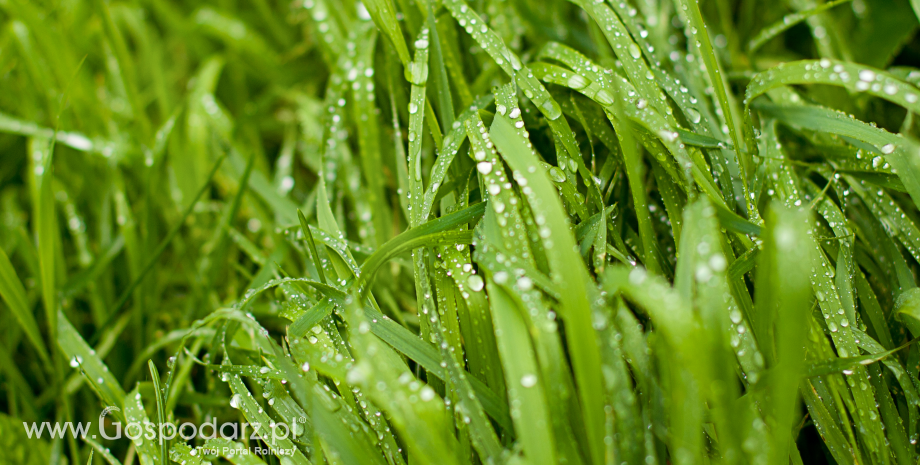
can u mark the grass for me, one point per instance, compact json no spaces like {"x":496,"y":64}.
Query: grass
{"x":462,"y":232}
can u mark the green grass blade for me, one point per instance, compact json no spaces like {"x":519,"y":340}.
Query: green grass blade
{"x":698,"y":36}
{"x":825,"y":120}
{"x":532,"y":425}
{"x":383,"y":12}
{"x":853,"y":77}
{"x":164,"y":243}
{"x":428,"y":234}
{"x":567,"y":271}
{"x":788,"y":22}
{"x":317,"y":263}
{"x":242,"y":399}
{"x":481,"y":432}
{"x":134,"y":412}
{"x":827,"y":428}
{"x":15,"y":297}
{"x":103,"y":452}
{"x":83,"y":358}
{"x":161,"y":415}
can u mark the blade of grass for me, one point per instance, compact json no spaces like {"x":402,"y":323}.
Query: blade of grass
{"x":161,"y":414}
{"x":14,"y":295}
{"x":788,"y":22}
{"x":567,"y":271}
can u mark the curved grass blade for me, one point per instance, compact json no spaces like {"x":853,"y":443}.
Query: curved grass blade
{"x":134,"y":413}
{"x":414,"y":409}
{"x":827,"y":427}
{"x":675,"y":321}
{"x":481,"y":432}
{"x":15,"y":297}
{"x":161,"y":414}
{"x":627,"y":51}
{"x":427,"y":356}
{"x":512,"y":65}
{"x":831,"y":305}
{"x":567,"y":271}
{"x":452,"y":142}
{"x":317,"y":263}
{"x":853,"y":77}
{"x":84,"y":358}
{"x":819,"y":119}
{"x":532,"y":424}
{"x":529,"y":309}
{"x":334,"y":426}
{"x":280,"y":444}
{"x":428,"y":234}
{"x":906,"y":381}
{"x":700,"y":140}
{"x":312,"y":317}
{"x":890,"y":214}
{"x":907,"y":310}
{"x":383,"y":12}
{"x":103,"y":452}
{"x":698,"y":35}
{"x":846,"y":364}
{"x":74,"y":140}
{"x":634,"y":172}
{"x":788,"y":22}
{"x":638,"y":109}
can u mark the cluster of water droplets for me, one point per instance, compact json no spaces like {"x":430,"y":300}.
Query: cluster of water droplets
{"x":504,"y":57}
{"x":892,"y":217}
{"x":826,"y":71}
{"x":327,"y":28}
{"x":449,"y":149}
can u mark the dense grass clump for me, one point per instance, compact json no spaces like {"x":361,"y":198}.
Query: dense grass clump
{"x":461,"y":231}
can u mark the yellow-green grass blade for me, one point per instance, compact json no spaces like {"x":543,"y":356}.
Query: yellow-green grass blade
{"x":567,"y":271}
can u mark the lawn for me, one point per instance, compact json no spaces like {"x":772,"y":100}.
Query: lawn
{"x":397,"y":232}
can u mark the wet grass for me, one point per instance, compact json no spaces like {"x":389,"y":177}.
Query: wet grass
{"x":586,"y":232}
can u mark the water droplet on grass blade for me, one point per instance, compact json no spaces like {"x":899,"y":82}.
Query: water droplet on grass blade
{"x":634,"y":51}
{"x":557,"y":174}
{"x":551,"y":109}
{"x":577,"y":81}
{"x":867,"y":75}
{"x":524,"y":283}
{"x":529,"y":380}
{"x":475,"y":282}
{"x":603,"y":97}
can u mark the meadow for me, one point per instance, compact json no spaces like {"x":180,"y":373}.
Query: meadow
{"x":445,"y":232}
